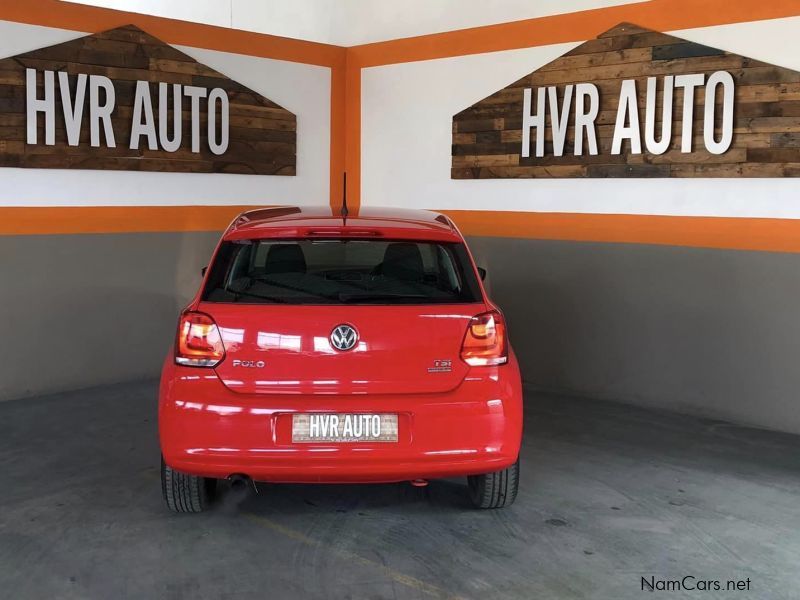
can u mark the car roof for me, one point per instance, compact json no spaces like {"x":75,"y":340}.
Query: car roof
{"x":324,"y":221}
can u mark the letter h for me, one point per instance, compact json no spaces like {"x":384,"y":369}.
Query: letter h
{"x":530,"y":120}
{"x":35,"y":106}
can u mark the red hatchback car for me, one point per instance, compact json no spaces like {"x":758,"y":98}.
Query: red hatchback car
{"x":327,"y":348}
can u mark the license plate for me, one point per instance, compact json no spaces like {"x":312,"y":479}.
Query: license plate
{"x":343,"y":427}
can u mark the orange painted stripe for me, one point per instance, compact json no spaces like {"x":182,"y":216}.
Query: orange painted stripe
{"x":772,"y":235}
{"x":352,"y":150}
{"x":115,"y":219}
{"x":661,"y":15}
{"x":338,"y":134}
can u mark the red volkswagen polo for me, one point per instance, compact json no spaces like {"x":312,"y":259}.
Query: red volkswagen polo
{"x":326,"y":348}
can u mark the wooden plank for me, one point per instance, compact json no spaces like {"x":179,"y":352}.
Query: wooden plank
{"x":266,"y":135}
{"x":606,"y":171}
{"x":259,"y":123}
{"x":485,"y":149}
{"x":616,"y":43}
{"x":784,"y":140}
{"x":126,"y":34}
{"x":599,"y":59}
{"x":770,"y":92}
{"x":212,"y":82}
{"x":480,"y":125}
{"x":548,"y":172}
{"x":768,"y":125}
{"x":683,"y":50}
{"x":767,"y":109}
{"x":188,"y":68}
{"x":773,"y":155}
{"x":12,"y":105}
{"x":10,"y":160}
{"x":734,"y":155}
{"x":11,"y":134}
{"x":12,"y":120}
{"x":262,"y":134}
{"x":495,"y":160}
{"x":636,"y":70}
{"x":176,"y":166}
{"x":754,"y":140}
{"x":766,"y":75}
{"x":15,"y":77}
{"x":569,"y":158}
{"x":738,"y":170}
{"x":110,"y":46}
{"x":12,"y":146}
{"x":465,"y":138}
{"x":249,"y":110}
{"x":487,"y":135}
{"x":75,"y":53}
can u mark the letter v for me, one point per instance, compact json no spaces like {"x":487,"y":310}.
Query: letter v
{"x":559,"y":123}
{"x":323,"y":425}
{"x":73,"y":111}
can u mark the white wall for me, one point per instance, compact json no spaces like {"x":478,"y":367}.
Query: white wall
{"x":351,"y":22}
{"x":302,"y":89}
{"x":407,"y":112}
{"x":365,"y":21}
{"x":312,"y":20}
{"x":709,"y":332}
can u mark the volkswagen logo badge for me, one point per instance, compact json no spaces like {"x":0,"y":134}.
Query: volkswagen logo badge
{"x":343,"y":337}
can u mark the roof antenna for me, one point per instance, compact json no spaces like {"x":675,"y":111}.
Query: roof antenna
{"x":344,"y":212}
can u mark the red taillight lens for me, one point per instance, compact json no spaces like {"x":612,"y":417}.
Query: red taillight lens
{"x":485,"y":342}
{"x":199,"y":342}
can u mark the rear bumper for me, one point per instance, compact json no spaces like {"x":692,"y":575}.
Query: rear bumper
{"x":205,"y":429}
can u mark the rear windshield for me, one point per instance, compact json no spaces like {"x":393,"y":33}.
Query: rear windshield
{"x":341,"y":272}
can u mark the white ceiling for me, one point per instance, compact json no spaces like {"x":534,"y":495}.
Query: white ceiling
{"x":351,"y":22}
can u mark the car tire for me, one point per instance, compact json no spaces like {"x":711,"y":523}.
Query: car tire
{"x":494,"y":490}
{"x":186,"y":493}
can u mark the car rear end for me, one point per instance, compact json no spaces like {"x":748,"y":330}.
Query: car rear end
{"x":341,"y":354}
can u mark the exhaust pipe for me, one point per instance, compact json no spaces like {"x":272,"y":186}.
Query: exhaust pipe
{"x":419,"y":482}
{"x":240,"y":481}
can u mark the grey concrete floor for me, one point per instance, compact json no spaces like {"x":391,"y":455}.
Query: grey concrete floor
{"x":610,"y":494}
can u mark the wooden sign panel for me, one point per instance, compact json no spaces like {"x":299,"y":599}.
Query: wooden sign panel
{"x":636,"y":103}
{"x":123,"y":99}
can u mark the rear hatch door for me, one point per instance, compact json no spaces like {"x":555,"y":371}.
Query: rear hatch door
{"x":400,"y":349}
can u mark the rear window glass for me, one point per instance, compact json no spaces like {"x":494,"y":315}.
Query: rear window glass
{"x":341,"y":272}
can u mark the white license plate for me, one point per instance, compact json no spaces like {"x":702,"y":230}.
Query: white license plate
{"x":344,"y":427}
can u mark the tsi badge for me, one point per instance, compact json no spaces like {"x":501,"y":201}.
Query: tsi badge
{"x":441,"y":365}
{"x":252,"y":364}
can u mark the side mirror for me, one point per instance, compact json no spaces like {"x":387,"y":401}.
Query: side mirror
{"x":482,"y":273}
{"x":203,"y":271}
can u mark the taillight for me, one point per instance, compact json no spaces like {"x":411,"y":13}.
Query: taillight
{"x":485,"y":342}
{"x":199,"y":342}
